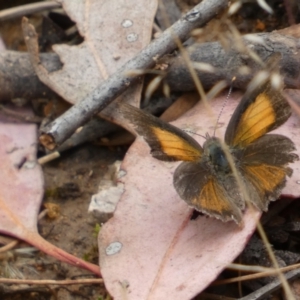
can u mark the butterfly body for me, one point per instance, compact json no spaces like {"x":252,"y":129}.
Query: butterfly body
{"x":214,"y":153}
{"x":219,"y":178}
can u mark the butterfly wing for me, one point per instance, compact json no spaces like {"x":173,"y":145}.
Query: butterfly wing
{"x":260,"y":111}
{"x":262,"y":159}
{"x":166,"y":141}
{"x":264,"y":166}
{"x":205,"y":192}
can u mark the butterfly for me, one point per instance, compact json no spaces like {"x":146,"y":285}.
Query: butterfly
{"x":206,"y":179}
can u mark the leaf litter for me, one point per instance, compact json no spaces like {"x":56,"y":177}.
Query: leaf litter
{"x":155,"y":241}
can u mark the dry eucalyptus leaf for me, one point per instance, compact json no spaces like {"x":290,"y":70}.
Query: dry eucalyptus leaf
{"x":151,"y":248}
{"x":113,"y":33}
{"x":22,"y":189}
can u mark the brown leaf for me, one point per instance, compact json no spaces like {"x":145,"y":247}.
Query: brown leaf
{"x":114,"y":32}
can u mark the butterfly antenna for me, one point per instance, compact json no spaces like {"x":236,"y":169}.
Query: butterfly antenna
{"x":224,"y":104}
{"x":191,"y":132}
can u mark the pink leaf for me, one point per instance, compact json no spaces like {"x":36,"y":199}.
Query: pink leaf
{"x":21,"y":191}
{"x":151,"y":249}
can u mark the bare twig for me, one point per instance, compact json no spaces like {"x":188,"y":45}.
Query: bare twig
{"x":272,"y":272}
{"x":27,"y":9}
{"x":9,"y":246}
{"x":49,"y":157}
{"x":266,"y":290}
{"x":51,"y":282}
{"x":80,"y":113}
{"x":43,"y":213}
